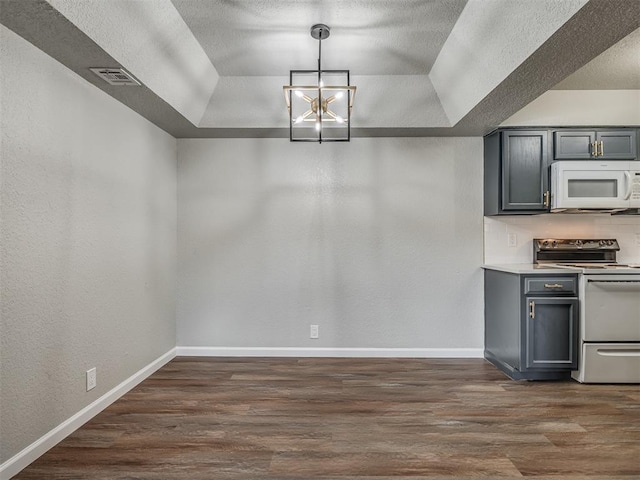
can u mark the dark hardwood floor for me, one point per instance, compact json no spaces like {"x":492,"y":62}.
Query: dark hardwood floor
{"x":257,"y":418}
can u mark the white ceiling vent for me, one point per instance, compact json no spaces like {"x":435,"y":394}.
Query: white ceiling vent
{"x":116,"y":76}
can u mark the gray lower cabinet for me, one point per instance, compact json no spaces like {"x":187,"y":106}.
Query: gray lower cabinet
{"x":585,"y":144}
{"x":550,"y":332}
{"x":531,"y":324}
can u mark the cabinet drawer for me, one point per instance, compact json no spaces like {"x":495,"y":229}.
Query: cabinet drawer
{"x":550,"y":285}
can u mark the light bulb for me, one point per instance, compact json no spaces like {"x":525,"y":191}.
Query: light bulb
{"x":339,"y":119}
{"x":339,"y":95}
{"x":299,"y":119}
{"x":321,"y":84}
{"x":299,"y":93}
{"x":317,"y":126}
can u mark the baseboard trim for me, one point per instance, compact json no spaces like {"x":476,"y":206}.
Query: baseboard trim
{"x":329,"y":352}
{"x":23,"y":458}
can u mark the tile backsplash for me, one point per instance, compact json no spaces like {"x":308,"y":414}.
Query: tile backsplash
{"x":500,"y":246}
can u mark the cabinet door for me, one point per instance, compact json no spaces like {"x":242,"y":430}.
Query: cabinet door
{"x":573,"y":145}
{"x":617,"y":144}
{"x":524,"y":170}
{"x":551,"y":330}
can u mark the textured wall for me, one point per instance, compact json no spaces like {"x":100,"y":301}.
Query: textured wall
{"x":88,"y":243}
{"x":379,"y":241}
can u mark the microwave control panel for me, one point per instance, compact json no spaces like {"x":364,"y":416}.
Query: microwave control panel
{"x":635,"y":186}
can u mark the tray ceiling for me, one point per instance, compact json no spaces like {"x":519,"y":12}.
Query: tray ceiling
{"x":215,"y":68}
{"x":271,"y":37}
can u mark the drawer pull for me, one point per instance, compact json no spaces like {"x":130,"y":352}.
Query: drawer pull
{"x":553,"y":285}
{"x":532,"y":309}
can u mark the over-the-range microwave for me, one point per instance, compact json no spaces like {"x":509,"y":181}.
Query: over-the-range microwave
{"x":594,"y":185}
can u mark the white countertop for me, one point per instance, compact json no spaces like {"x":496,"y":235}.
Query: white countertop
{"x":524,"y":268}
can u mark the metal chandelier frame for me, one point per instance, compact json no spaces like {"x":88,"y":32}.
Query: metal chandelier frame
{"x":319,"y":110}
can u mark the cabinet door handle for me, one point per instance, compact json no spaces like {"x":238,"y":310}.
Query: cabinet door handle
{"x":547,"y":198}
{"x":532,"y":309}
{"x":601,"y":148}
{"x":594,"y":149}
{"x":553,"y":285}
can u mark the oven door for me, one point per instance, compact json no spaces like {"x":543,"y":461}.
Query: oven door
{"x":590,"y":185}
{"x":611,"y":308}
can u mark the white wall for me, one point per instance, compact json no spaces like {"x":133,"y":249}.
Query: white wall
{"x":624,"y":228}
{"x":88,"y":243}
{"x":580,"y":107}
{"x":378,"y":241}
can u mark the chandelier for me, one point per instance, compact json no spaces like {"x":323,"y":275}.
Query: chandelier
{"x":319,"y":101}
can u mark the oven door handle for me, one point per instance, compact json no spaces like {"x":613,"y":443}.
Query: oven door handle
{"x":613,"y":281}
{"x":619,"y":352}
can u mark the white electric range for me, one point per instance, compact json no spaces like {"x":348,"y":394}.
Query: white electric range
{"x":609,"y":295}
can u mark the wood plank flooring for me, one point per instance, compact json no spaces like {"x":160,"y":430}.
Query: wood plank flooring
{"x":285,"y":418}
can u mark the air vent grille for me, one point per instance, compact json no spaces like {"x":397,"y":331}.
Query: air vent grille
{"x":116,"y":76}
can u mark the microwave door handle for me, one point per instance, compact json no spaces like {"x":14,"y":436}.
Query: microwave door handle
{"x":627,"y":176}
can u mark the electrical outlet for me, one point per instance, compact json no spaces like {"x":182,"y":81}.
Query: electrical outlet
{"x":91,"y":379}
{"x":512,"y":240}
{"x":314,"y":332}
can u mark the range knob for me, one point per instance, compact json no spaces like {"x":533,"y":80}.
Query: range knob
{"x":554,"y":244}
{"x":578,"y":243}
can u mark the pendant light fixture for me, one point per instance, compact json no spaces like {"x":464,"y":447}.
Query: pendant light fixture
{"x":319,"y":101}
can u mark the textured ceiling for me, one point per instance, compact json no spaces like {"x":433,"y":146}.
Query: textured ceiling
{"x":618,"y":68}
{"x":490,"y":57}
{"x":369,"y":37}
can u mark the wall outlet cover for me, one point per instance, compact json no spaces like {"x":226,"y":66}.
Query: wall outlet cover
{"x":314,"y":331}
{"x":92,"y":380}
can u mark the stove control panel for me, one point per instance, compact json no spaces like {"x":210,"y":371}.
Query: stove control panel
{"x":576,"y":244}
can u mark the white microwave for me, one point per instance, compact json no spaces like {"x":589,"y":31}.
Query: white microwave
{"x":594,"y":185}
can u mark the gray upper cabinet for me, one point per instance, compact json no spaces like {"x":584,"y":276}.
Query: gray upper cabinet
{"x":516,"y":172}
{"x":617,"y":144}
{"x":585,"y":144}
{"x":573,"y":145}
